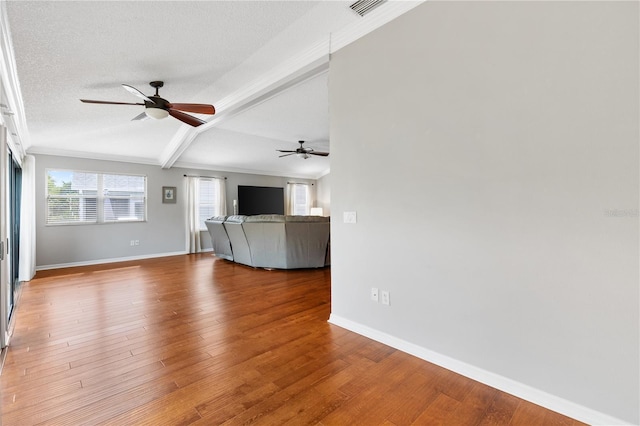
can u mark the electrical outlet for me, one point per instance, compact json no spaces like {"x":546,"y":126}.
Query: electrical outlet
{"x":374,"y":294}
{"x":137,"y":243}
{"x":385,"y":298}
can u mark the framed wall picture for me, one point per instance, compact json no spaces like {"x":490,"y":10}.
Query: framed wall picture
{"x":169,"y":194}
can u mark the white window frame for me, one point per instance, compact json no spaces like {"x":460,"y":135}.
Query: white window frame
{"x":100,"y":199}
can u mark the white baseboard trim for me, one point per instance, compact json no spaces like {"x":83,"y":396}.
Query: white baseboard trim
{"x":112,"y":260}
{"x":504,"y":384}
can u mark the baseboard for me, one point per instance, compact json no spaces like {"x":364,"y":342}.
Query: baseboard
{"x":112,"y":260}
{"x":504,"y":384}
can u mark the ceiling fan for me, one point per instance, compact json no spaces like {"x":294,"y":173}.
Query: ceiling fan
{"x":158,"y":108}
{"x":302,"y":152}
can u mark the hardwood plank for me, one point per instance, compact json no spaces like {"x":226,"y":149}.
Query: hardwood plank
{"x":368,"y":393}
{"x":308,"y":407}
{"x":501,"y":410}
{"x":411,"y":398}
{"x":475,"y":404}
{"x":439,"y":412}
{"x":219,"y":410}
{"x":195,"y":340}
{"x":525,"y":414}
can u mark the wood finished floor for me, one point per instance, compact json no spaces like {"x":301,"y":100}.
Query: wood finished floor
{"x":195,"y":340}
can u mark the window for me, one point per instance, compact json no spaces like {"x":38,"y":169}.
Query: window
{"x":124,"y":198}
{"x":299,"y":199}
{"x":210,"y":203}
{"x":88,"y":197}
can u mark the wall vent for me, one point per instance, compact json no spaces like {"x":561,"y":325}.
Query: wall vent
{"x":362,"y":7}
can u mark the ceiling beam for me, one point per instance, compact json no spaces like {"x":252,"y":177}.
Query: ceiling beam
{"x":312,"y":62}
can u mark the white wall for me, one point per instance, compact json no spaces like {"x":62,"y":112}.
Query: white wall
{"x":490,"y":150}
{"x":323,"y":194}
{"x":162,"y":234}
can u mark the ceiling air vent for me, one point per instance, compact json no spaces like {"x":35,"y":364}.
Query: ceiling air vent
{"x":362,"y":7}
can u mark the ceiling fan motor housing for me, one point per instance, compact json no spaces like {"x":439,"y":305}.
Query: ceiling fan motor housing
{"x":157,"y":85}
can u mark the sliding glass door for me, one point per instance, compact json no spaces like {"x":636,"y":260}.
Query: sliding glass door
{"x":15,"y":190}
{"x":10,"y":197}
{"x":6,"y":288}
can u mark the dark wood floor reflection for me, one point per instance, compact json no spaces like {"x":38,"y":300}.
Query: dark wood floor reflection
{"x":197,"y":340}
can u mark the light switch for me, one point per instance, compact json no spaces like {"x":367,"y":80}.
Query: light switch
{"x":350,"y":217}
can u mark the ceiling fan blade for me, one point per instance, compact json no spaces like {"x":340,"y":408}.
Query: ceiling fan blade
{"x":322,"y":154}
{"x":186,"y":118}
{"x":284,"y":150}
{"x":90,"y":101}
{"x":197,"y":108}
{"x":142,"y":116}
{"x":286,"y":155}
{"x":137,"y":93}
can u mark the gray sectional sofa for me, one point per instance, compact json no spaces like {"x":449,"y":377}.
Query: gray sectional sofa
{"x":272,"y":241}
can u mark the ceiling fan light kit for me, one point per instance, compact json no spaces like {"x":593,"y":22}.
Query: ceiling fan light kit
{"x":157,"y":113}
{"x":159,"y":108}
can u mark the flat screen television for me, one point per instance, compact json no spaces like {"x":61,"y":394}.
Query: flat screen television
{"x":260,"y":200}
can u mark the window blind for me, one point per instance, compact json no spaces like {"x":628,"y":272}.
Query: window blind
{"x":208,"y":200}
{"x":124,"y":198}
{"x":75,"y":197}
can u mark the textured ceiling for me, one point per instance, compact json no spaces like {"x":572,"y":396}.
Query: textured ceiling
{"x":205,"y":51}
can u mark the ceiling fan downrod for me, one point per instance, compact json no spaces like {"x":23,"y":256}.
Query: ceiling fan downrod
{"x":157,"y":85}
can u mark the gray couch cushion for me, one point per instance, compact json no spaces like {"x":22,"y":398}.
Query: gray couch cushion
{"x":265,"y":218}
{"x":320,"y":219}
{"x":267,"y":243}
{"x":239,"y":245}
{"x":238,"y":218}
{"x":219,"y":237}
{"x":307,"y":244}
{"x":217,"y":219}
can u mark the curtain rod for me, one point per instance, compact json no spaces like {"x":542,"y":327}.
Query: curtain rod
{"x":210,"y":177}
{"x":299,"y":183}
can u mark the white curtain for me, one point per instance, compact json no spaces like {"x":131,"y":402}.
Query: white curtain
{"x":311,"y":198}
{"x":27,"y":265}
{"x":222,"y":190}
{"x":194,"y":221}
{"x":193,"y":217}
{"x":290,"y":201}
